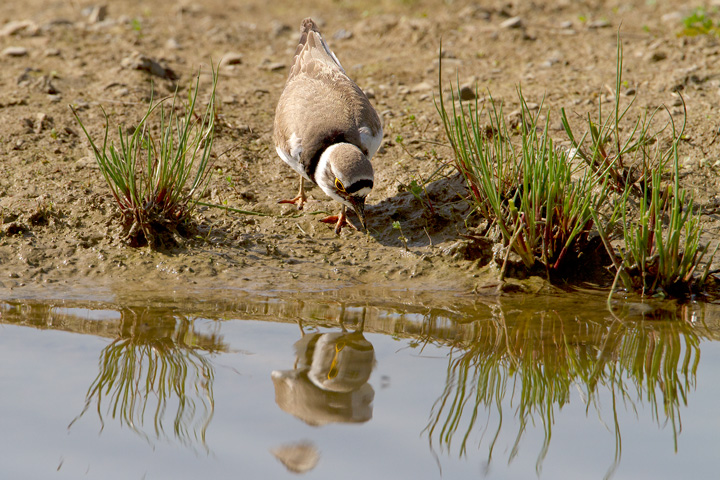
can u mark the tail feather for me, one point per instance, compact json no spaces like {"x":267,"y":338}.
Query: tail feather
{"x":312,"y":39}
{"x":308,"y":25}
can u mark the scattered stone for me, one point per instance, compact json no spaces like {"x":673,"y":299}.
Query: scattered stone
{"x":188,"y":8}
{"x":370,"y":93}
{"x":42,"y":121}
{"x":27,"y":77}
{"x":138,"y":61}
{"x":343,"y":34}
{"x":467,"y":92}
{"x":474,"y":11}
{"x":565,"y":25}
{"x":14,"y":52}
{"x":555,"y":57}
{"x":674,"y":18}
{"x":32,"y":78}
{"x":45,"y":85}
{"x":598,"y":24}
{"x":172,"y":44}
{"x":231,"y":58}
{"x":274,"y":66}
{"x":80,"y":105}
{"x":52,"y":52}
{"x":27,"y":123}
{"x":657,"y":56}
{"x":58,"y":22}
{"x":278,"y":28}
{"x":629,"y":92}
{"x":420,"y":87}
{"x":15,"y":27}
{"x":95,"y":13}
{"x":512,"y":22}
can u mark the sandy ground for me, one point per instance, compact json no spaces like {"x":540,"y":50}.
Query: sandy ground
{"x":59,"y":229}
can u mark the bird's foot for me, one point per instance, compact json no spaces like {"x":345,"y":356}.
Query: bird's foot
{"x":299,"y":201}
{"x":340,"y":221}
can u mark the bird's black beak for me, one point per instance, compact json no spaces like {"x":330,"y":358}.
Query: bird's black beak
{"x":358,"y":205}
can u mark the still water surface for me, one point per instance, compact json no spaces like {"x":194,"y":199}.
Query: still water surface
{"x":327,"y":388}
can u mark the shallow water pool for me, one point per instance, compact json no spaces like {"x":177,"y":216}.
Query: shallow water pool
{"x":330,"y":386}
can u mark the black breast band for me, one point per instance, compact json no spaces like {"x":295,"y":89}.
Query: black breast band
{"x":316,"y":150}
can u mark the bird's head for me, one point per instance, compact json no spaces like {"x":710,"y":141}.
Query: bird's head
{"x":345,"y":174}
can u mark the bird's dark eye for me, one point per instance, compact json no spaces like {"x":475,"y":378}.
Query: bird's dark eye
{"x":339,"y":185}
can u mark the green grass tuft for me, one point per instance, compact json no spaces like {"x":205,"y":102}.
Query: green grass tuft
{"x":547,"y":204}
{"x":700,"y":22}
{"x":529,"y":190}
{"x":158,"y":179}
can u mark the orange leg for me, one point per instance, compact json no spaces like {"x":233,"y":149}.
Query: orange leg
{"x":339,"y":220}
{"x":301,"y":196}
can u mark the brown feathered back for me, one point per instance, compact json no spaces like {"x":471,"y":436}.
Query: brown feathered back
{"x":320,"y":105}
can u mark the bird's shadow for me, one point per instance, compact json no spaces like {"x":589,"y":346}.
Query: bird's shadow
{"x":431,"y":216}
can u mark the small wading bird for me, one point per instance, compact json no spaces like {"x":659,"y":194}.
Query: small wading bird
{"x":326,"y":129}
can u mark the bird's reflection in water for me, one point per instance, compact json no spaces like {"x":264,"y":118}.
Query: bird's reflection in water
{"x":329,"y":383}
{"x":297,"y":457}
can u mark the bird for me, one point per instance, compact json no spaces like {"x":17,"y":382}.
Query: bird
{"x":326,"y":129}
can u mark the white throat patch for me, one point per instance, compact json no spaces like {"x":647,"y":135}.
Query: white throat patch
{"x":323,"y":166}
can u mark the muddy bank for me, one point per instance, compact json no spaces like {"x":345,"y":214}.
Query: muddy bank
{"x":59,"y":230}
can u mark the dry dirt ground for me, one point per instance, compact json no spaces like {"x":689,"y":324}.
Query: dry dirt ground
{"x":59,"y":229}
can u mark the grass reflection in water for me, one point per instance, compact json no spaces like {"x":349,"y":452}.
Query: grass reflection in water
{"x":532,"y":359}
{"x":157,"y":371}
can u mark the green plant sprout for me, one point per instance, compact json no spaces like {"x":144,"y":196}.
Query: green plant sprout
{"x":396,"y":226}
{"x":700,"y":23}
{"x":157,"y":182}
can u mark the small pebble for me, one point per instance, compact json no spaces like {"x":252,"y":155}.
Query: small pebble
{"x":674,"y":18}
{"x":513,"y":22}
{"x":137,"y":61}
{"x":41,"y":122}
{"x":474,"y":11}
{"x":598,"y":24}
{"x":172,"y":44}
{"x":658,"y":56}
{"x":14,"y":52}
{"x":12,"y":28}
{"x":420,"y":87}
{"x":231,"y":58}
{"x":275,"y":66}
{"x":278,"y":28}
{"x":97,"y":13}
{"x":467,"y":93}
{"x":343,"y":34}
